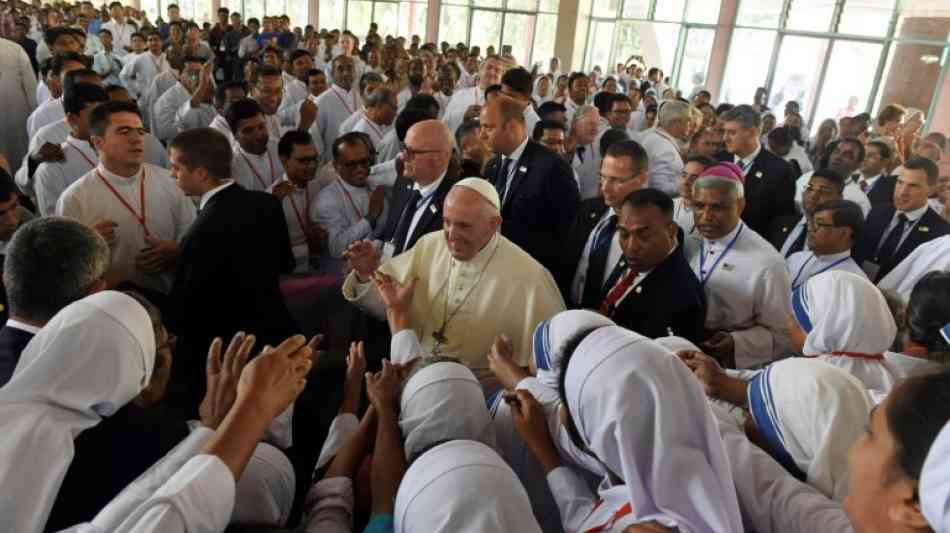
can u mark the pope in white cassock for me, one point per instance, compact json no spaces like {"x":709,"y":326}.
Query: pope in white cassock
{"x":471,"y":283}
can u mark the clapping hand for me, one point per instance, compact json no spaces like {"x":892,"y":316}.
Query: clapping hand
{"x":222,"y":374}
{"x":274,"y":379}
{"x":502,"y":364}
{"x":382,"y":388}
{"x":282,"y":189}
{"x":396,"y":296}
{"x":362,"y":257}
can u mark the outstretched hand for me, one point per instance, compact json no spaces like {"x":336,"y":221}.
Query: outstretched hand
{"x":222,"y":375}
{"x":502,"y":364}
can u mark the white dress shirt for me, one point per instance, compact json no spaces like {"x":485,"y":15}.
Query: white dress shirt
{"x":334,"y":106}
{"x":350,"y":122}
{"x":461,"y":100}
{"x":188,"y":117}
{"x":748,"y":292}
{"x":666,"y":163}
{"x":298,"y":210}
{"x":256,"y":172}
{"x":166,"y":111}
{"x":426,"y":193}
{"x":51,"y":179}
{"x":138,"y":74}
{"x":157,"y":87}
{"x":613,"y":256}
{"x":805,"y":264}
{"x":797,"y":153}
{"x":588,"y":171}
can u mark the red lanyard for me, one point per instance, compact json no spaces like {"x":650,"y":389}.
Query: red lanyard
{"x":139,"y":218}
{"x":157,"y":64}
{"x":83,"y":154}
{"x":300,"y":218}
{"x":359,"y":215}
{"x":342,"y":101}
{"x":257,"y":175}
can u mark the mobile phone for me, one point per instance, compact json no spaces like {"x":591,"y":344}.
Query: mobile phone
{"x":506,"y":50}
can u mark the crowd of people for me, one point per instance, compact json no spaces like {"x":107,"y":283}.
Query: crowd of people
{"x":263,"y":278}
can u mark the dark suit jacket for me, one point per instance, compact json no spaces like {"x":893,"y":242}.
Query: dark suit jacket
{"x":541,"y":203}
{"x":670,"y":299}
{"x":228,"y":278}
{"x":781,"y":227}
{"x":769,"y":190}
{"x":586,"y":219}
{"x":431,"y":219}
{"x":930,"y":226}
{"x":883,"y":191}
{"x":12,"y":343}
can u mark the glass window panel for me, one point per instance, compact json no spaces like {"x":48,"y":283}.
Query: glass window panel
{"x":489,"y":29}
{"x":299,"y":13}
{"x":253,"y":8}
{"x":703,"y":11}
{"x":457,"y":2}
{"x":598,"y":43}
{"x":523,"y":5}
{"x":386,"y":15}
{"x":606,"y":8}
{"x":670,"y":10}
{"x":910,"y":76}
{"x":797,"y":72}
{"x":651,"y":43}
{"x":544,"y":33}
{"x":810,"y":15}
{"x":866,"y":17}
{"x":358,"y":16}
{"x":636,"y":9}
{"x":848,"y":81}
{"x":487,"y":3}
{"x":549,"y":6}
{"x":695,"y":62}
{"x":412,"y":18}
{"x":153,"y":11}
{"x":331,"y":14}
{"x":519,"y":34}
{"x":762,"y":13}
{"x":453,"y":24}
{"x":931,"y":24}
{"x":748,"y":64}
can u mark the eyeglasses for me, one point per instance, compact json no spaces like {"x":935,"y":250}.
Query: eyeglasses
{"x":356,"y":164}
{"x":817,"y":224}
{"x":686,"y":176}
{"x":412,"y":153}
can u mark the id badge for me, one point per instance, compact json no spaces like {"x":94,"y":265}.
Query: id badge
{"x":388,"y":250}
{"x":870,"y":268}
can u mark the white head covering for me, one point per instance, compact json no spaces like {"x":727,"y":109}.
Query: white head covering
{"x":462,"y":486}
{"x":91,"y":359}
{"x":810,"y":413}
{"x":482,"y":187}
{"x":935,"y":483}
{"x":443,"y":401}
{"x":843,"y":312}
{"x":551,"y":335}
{"x":933,"y":255}
{"x":677,"y":344}
{"x":644,"y":415}
{"x":265,"y":492}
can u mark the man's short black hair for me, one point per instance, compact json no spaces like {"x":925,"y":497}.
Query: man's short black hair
{"x":519,"y":80}
{"x":651,"y":197}
{"x":547,"y":125}
{"x":845,"y":213}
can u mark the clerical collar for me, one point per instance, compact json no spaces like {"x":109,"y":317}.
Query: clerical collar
{"x":112,"y":176}
{"x":914,"y":216}
{"x":426,"y":190}
{"x":515,"y":155}
{"x":483,"y":255}
{"x":208,"y":194}
{"x":22,"y":326}
{"x":831,"y":258}
{"x":742,"y":161}
{"x":297,"y":188}
{"x":727,"y":238}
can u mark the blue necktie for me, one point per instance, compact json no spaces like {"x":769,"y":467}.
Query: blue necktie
{"x":606,"y":233}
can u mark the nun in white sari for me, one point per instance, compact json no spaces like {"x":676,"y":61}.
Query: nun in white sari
{"x":930,"y":256}
{"x":849,"y":325}
{"x":808,"y":413}
{"x":669,"y":467}
{"x":935,"y":483}
{"x":95,"y":356}
{"x":462,"y":486}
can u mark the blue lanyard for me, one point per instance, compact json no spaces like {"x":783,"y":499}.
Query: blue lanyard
{"x":801,"y":269}
{"x":704,"y":277}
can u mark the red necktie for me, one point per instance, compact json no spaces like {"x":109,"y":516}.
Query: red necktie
{"x":610,"y":302}
{"x":864,"y":185}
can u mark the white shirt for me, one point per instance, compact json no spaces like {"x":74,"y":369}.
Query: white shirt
{"x":350,"y":122}
{"x":613,"y":256}
{"x":461,"y":100}
{"x":805,"y":264}
{"x":388,"y":148}
{"x":108,"y":66}
{"x":797,"y":153}
{"x":156,"y":89}
{"x":913,"y":217}
{"x":209,"y":194}
{"x":121,"y":36}
{"x":42,"y":93}
{"x":334,"y":106}
{"x":298,"y":205}
{"x":221,"y":124}
{"x":666,"y":163}
{"x":683,"y":216}
{"x":375,"y":131}
{"x":138,"y":74}
{"x":588,"y":171}
{"x":748,"y":292}
{"x":48,"y":113}
{"x":51,"y":179}
{"x":295,"y":91}
{"x":256,"y":172}
{"x":168,"y":215}
{"x":188,"y":117}
{"x":54,"y":133}
{"x":166,"y":110}
{"x":342,"y":210}
{"x":531,"y":118}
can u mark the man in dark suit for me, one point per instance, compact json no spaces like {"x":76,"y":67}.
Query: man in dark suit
{"x":892,"y":233}
{"x":48,"y":264}
{"x":652,"y":289}
{"x":769,"y":183}
{"x":592,"y":248}
{"x":537,"y":189}
{"x":228,"y":274}
{"x":873,"y":180}
{"x":789,"y":232}
{"x":416,"y":207}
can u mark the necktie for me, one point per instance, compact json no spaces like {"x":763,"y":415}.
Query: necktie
{"x":863,"y":183}
{"x":405,"y":220}
{"x":620,"y":286}
{"x":606,"y":233}
{"x":580,"y":153}
{"x":893,"y":239}
{"x":799,"y":243}
{"x":501,"y":183}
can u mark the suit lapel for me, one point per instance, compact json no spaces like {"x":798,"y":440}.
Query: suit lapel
{"x":432,"y":210}
{"x":521,"y":169}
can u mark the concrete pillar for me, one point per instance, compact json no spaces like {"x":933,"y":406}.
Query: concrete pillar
{"x":720,"y":50}
{"x":432,"y":22}
{"x":313,"y":14}
{"x":570,"y":24}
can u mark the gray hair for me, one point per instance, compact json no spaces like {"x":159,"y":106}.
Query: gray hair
{"x":50,"y":263}
{"x":744,"y":115}
{"x":583,"y":111}
{"x":672,"y":110}
{"x":720,"y":184}
{"x":381,"y":96}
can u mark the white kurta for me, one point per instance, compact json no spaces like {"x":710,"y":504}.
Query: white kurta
{"x":666,"y":163}
{"x":461,"y":100}
{"x":188,"y":117}
{"x":341,"y":209}
{"x":512,"y":296}
{"x":121,"y":36}
{"x":334,"y":106}
{"x":139,"y":73}
{"x":350,"y":122}
{"x":747,"y":293}
{"x":297,"y":212}
{"x":51,"y":179}
{"x":295,"y":91}
{"x":805,"y":264}
{"x":933,"y":255}
{"x":166,"y":109}
{"x":156,"y":88}
{"x":168,"y":214}
{"x":256,"y":172}
{"x":108,"y":66}
{"x":48,"y":113}
{"x":389,"y":147}
{"x":18,"y":89}
{"x":375,"y":131}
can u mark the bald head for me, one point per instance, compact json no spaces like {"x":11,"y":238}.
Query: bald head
{"x":470,"y":221}
{"x":428,"y":151}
